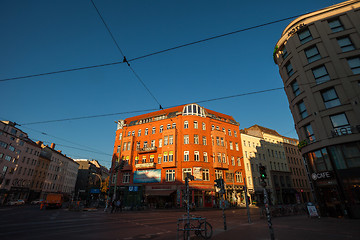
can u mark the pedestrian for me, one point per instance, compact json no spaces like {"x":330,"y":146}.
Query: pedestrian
{"x":112,"y":206}
{"x":118,"y":204}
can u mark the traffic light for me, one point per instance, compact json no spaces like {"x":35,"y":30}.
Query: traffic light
{"x":219,"y":183}
{"x":262,"y":170}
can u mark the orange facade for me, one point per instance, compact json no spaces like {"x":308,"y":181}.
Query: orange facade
{"x":159,"y":148}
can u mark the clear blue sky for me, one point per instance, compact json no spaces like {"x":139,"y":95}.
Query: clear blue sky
{"x":45,"y":36}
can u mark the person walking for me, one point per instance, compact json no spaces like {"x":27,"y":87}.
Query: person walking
{"x":112,"y":206}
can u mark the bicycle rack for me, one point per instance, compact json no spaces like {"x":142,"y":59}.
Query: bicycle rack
{"x":185,"y":220}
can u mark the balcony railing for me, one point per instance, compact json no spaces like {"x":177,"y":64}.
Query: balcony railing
{"x":146,"y":149}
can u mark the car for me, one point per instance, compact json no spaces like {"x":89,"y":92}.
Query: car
{"x":16,"y":202}
{"x":35,"y":202}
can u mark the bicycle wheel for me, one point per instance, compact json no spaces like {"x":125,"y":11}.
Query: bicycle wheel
{"x":186,"y":231}
{"x":206,"y":230}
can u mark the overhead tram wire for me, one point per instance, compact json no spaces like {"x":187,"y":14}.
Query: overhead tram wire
{"x":150,"y":54}
{"x":123,"y":55}
{"x":154,"y":109}
{"x":62,"y":139}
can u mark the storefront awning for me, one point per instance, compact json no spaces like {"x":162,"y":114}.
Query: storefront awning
{"x":159,"y":192}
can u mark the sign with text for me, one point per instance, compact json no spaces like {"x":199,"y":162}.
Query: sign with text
{"x":197,"y":173}
{"x":147,"y":176}
{"x":322,"y":175}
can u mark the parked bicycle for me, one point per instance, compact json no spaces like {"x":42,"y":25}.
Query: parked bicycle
{"x":198,"y":225}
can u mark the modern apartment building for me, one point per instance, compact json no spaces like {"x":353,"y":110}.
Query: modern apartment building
{"x":161,"y":147}
{"x":318,"y":56}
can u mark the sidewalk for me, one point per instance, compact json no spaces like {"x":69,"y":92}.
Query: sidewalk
{"x":294,"y":228}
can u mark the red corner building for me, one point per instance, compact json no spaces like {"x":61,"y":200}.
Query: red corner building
{"x":161,"y":147}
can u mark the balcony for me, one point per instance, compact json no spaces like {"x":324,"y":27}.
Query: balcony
{"x":146,"y":149}
{"x":221,"y":165}
{"x":145,"y":165}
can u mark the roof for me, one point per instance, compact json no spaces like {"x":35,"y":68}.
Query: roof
{"x":264,"y":130}
{"x":171,"y":112}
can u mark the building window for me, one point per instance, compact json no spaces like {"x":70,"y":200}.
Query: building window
{"x":354,"y":64}
{"x":170,"y":176}
{"x":218,"y":141}
{"x":159,"y":159}
{"x":335,"y":25}
{"x":186,"y":171}
{"x":139,"y":132}
{"x":152,"y":143}
{"x":212,"y":127}
{"x":238,"y":176}
{"x":320,"y":74}
{"x":218,"y":174}
{"x":160,"y":142}
{"x":309,"y":133}
{"x":144,"y":159}
{"x":233,"y":161}
{"x":146,"y":131}
{"x":219,"y":157}
{"x":165,"y":159}
{"x":171,"y":139}
{"x":174,"y":125}
{"x":196,"y":139}
{"x":166,"y":140}
{"x":305,"y":36}
{"x":237,"y":146}
{"x":171,"y":156}
{"x":222,"y":142}
{"x":284,"y":52}
{"x":153,"y":130}
{"x":204,"y":140}
{"x":195,"y":124}
{"x":224,"y":158}
{"x":235,"y":133}
{"x":312,"y":54}
{"x":330,"y":98}
{"x":229,"y":132}
{"x":186,"y":124}
{"x":196,"y":156}
{"x":224,"y":131}
{"x":125,"y":143}
{"x":203,"y":126}
{"x":152,"y":158}
{"x":120,"y":137}
{"x":168,"y":126}
{"x":126,"y":178}
{"x":161,"y":128}
{"x":206,"y":157}
{"x":302,"y":109}
{"x":231,"y":145}
{"x":205,"y":175}
{"x":295,"y":88}
{"x":345,"y":44}
{"x":289,"y":69}
{"x":186,"y":139}
{"x":186,"y":156}
{"x":133,"y":133}
{"x":340,"y":124}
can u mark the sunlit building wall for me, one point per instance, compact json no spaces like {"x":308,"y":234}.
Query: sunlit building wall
{"x":318,"y":56}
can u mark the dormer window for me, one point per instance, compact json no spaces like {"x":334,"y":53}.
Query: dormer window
{"x":194,"y":109}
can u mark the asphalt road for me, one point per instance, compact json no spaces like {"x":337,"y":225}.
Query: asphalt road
{"x":28,"y":222}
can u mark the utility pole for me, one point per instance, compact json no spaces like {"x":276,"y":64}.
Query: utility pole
{"x":247,"y":201}
{"x":263,"y":176}
{"x":219,"y":183}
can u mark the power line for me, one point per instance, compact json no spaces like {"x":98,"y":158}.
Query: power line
{"x":151,"y":54}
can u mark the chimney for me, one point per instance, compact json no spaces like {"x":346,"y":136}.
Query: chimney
{"x":39,"y":143}
{"x":53,"y":146}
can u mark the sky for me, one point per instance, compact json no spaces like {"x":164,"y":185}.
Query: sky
{"x":40,"y":36}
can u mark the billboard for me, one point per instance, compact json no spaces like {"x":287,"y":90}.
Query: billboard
{"x":147,"y":176}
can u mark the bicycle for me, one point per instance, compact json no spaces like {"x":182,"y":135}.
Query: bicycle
{"x":201,"y":228}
